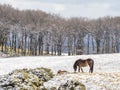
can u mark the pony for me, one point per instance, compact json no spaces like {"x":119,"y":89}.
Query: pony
{"x":83,"y":63}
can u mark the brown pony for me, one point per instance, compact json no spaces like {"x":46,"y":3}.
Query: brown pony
{"x":83,"y":63}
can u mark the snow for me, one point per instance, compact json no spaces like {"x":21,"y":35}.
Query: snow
{"x":95,"y":81}
{"x":106,"y":69}
{"x":103,"y":63}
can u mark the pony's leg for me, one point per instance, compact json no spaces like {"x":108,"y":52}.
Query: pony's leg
{"x":90,"y":71}
{"x":79,"y":69}
{"x":82,"y":70}
{"x":75,"y":68}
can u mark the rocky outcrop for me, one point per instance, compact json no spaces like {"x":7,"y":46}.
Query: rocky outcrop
{"x":26,"y":79}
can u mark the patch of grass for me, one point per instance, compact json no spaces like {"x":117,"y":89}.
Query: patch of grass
{"x":48,"y":71}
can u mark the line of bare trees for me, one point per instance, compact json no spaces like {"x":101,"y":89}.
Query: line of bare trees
{"x":34,"y":32}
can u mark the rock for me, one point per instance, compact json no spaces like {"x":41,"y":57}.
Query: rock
{"x":61,"y":72}
{"x":72,"y":85}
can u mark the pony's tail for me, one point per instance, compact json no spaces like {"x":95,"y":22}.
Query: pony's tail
{"x":92,"y":67}
{"x":75,"y":67}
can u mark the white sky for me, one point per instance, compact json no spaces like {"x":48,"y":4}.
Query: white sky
{"x":70,"y":8}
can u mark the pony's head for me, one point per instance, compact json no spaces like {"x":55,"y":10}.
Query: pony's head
{"x":75,"y":66}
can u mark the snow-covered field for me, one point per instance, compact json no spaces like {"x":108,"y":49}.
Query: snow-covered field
{"x":103,"y":63}
{"x":106,"y":74}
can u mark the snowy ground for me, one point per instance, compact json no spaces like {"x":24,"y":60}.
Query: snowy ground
{"x":106,"y":74}
{"x":95,"y":81}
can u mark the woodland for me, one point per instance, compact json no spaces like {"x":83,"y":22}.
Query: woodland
{"x":35,"y":32}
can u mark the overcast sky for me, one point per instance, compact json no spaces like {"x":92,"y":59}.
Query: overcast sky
{"x":70,"y":8}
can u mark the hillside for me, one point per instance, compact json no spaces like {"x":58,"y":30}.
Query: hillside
{"x":106,"y":74}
